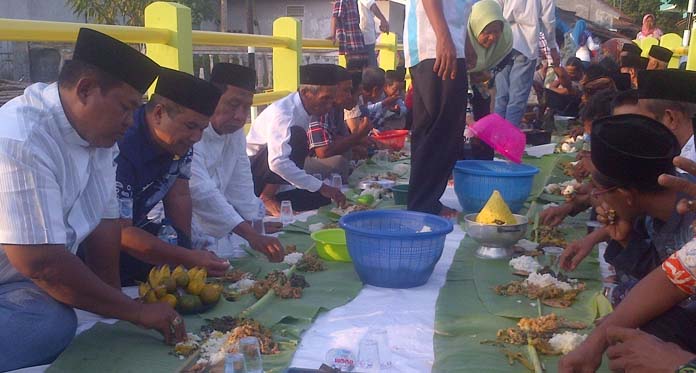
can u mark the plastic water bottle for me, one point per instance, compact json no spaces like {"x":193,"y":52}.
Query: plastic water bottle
{"x":167,"y":233}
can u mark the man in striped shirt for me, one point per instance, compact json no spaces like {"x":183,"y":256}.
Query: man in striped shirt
{"x":57,"y":183}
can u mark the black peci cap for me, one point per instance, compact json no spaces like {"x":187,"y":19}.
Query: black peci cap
{"x":115,"y":58}
{"x":188,"y":91}
{"x":318,"y":74}
{"x":671,"y":84}
{"x":633,"y":150}
{"x":235,"y":75}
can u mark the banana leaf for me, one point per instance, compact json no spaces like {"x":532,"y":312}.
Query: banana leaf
{"x":552,"y":198}
{"x":372,"y":169}
{"x":382,"y":204}
{"x":490,"y":273}
{"x":297,"y":227}
{"x":123,"y":347}
{"x":548,"y":169}
{"x":462,"y":322}
{"x":303,"y":226}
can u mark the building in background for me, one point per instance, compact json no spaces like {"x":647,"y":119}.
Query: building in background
{"x":34,"y":62}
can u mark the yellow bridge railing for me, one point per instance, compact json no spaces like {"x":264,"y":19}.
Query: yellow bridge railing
{"x":169,"y":40}
{"x":674,"y":43}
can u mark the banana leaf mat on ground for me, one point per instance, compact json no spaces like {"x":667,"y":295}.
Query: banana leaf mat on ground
{"x":462,"y":322}
{"x":123,"y":347}
{"x":549,"y":171}
{"x":371,"y":168}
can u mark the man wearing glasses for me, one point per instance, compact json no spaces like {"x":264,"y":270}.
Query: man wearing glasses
{"x":630,"y":152}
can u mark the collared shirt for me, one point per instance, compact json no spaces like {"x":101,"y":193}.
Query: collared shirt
{"x":419,"y":37}
{"x":54,"y":187}
{"x":145,"y":171}
{"x":688,"y":152}
{"x":222,"y":188}
{"x":271,"y":129}
{"x":367,"y":21}
{"x":527,"y":18}
{"x":324,"y":130}
{"x":348,"y":33}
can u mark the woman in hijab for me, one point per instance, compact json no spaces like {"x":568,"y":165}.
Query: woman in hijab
{"x":489,"y":37}
{"x":649,"y":29}
{"x":489,"y":40}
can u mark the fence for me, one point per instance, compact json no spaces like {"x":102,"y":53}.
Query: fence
{"x":675,"y":43}
{"x":169,"y":40}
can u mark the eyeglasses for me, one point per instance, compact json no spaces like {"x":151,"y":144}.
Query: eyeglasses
{"x":597,"y":192}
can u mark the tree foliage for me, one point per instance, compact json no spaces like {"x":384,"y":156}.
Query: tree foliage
{"x":131,"y":12}
{"x":667,"y":21}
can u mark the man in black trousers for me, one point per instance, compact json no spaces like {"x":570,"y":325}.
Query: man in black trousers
{"x":434,"y":50}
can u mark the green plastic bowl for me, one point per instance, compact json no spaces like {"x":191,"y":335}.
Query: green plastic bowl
{"x":400,"y":194}
{"x":331,"y":245}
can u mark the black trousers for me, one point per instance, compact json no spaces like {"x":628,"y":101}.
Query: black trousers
{"x":302,"y":200}
{"x":437,"y":138}
{"x":476,"y":149}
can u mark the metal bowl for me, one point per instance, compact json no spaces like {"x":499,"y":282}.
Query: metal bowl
{"x":496,"y":240}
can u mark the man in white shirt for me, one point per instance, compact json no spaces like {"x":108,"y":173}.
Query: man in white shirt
{"x":277,"y":144}
{"x":514,"y":82}
{"x":434,"y":44}
{"x":368,"y":11}
{"x":57,"y":183}
{"x":331,"y":144}
{"x":222,"y":188}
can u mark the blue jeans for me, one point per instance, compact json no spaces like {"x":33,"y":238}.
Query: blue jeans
{"x":513,"y":84}
{"x":371,"y":55}
{"x":34,"y":328}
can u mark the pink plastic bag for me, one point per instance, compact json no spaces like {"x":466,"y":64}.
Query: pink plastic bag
{"x":500,"y":134}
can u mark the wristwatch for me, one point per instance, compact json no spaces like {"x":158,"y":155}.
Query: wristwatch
{"x":689,"y":367}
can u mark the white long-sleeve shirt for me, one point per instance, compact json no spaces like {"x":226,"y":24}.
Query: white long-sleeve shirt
{"x":527,"y":18}
{"x":54,"y":187}
{"x":222,"y":189}
{"x":271,"y":129}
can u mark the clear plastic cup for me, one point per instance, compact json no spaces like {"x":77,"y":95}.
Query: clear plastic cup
{"x":368,"y":356}
{"x":258,"y":226}
{"x":380,"y":335}
{"x":249,"y":347}
{"x":286,"y":214}
{"x":553,"y":255}
{"x":235,"y":363}
{"x":382,"y":157}
{"x":336,"y":181}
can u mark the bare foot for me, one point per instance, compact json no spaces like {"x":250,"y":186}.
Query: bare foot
{"x":448,"y":213}
{"x":272,"y":206}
